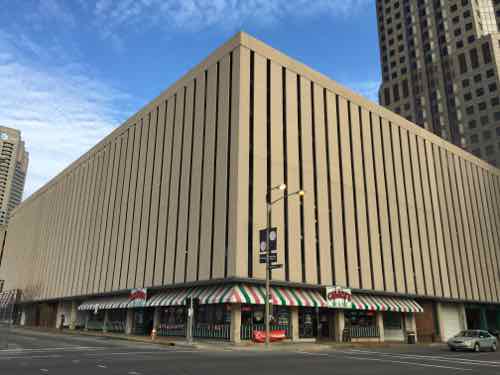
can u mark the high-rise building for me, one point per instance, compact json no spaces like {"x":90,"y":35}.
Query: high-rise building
{"x":440,"y":68}
{"x":13,"y":167}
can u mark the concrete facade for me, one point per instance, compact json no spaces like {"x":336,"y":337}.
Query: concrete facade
{"x":176,"y":195}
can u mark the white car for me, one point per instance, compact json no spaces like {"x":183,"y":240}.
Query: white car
{"x":473,"y":339}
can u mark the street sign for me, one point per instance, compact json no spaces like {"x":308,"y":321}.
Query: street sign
{"x":275,"y":266}
{"x":273,"y":258}
{"x":273,"y":239}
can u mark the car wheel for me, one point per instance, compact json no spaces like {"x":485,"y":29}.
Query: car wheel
{"x":494,"y":347}
{"x":453,"y":349}
{"x":476,"y":347}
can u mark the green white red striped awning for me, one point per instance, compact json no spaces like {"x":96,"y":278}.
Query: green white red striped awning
{"x":105,"y":304}
{"x":380,"y":303}
{"x":240,"y":293}
{"x":8,"y":298}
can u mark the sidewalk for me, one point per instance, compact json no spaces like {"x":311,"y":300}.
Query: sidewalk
{"x":213,"y":345}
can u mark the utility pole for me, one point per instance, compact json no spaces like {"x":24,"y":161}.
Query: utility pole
{"x":269,"y":267}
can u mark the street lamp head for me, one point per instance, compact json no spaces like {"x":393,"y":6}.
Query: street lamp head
{"x":302,"y":193}
{"x":282,"y":187}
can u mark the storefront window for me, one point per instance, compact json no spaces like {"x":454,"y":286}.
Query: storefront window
{"x":307,"y":322}
{"x":213,"y":314}
{"x":392,"y":320}
{"x":360,"y":318}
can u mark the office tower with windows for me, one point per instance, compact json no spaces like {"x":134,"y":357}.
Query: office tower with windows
{"x":440,"y":68}
{"x":13,"y":167}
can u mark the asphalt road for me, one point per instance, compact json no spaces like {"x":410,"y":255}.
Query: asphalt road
{"x":44,"y":353}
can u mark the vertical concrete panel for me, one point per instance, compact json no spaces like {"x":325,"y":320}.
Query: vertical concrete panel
{"x":431,"y":225}
{"x":483,"y":225}
{"x":310,"y":236}
{"x":393,"y":207}
{"x":109,"y":254}
{"x":142,"y":126}
{"x":134,"y":140}
{"x":173,"y":205}
{"x":237,"y":260}
{"x":115,"y":255}
{"x":323,"y":235}
{"x":412,"y":215}
{"x":77,"y":214}
{"x":494,"y":224}
{"x":90,"y":220}
{"x":149,"y":153}
{"x":477,"y":235}
{"x":340,"y":277}
{"x":371,"y":201}
{"x":208,"y":175}
{"x":293,"y":182}
{"x":454,"y":245}
{"x":67,"y":230}
{"x":435,"y":200}
{"x":259,"y":161}
{"x":466,"y":229}
{"x":489,"y":223}
{"x":403,"y":210}
{"x":362,"y":238}
{"x":155,"y":196}
{"x":196,"y":182}
{"x":98,"y":228}
{"x":220,"y":173}
{"x":348,"y":196}
{"x":383,"y":218}
{"x":127,"y":148}
{"x":449,"y":261}
{"x":277,"y":154}
{"x":420,"y":214}
{"x":185,"y":198}
{"x":161,"y":259}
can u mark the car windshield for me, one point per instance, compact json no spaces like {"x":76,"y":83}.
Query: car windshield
{"x":468,"y":334}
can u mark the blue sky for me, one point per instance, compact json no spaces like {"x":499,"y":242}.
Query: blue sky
{"x":72,"y":70}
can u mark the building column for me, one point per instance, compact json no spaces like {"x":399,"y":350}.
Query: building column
{"x":380,"y":324}
{"x":463,"y":316}
{"x":294,"y":322}
{"x":156,"y":318}
{"x":235,"y":334}
{"x":483,"y":319}
{"x":410,"y":324}
{"x":106,"y":320}
{"x":440,"y":321}
{"x":339,"y":325}
{"x":87,"y":317}
{"x":129,"y":325}
{"x":73,"y":315}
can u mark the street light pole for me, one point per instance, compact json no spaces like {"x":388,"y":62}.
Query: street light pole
{"x":269,"y":205}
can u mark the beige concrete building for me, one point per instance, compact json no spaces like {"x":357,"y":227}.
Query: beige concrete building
{"x":13,"y":167}
{"x":441,"y":69}
{"x":402,"y":224}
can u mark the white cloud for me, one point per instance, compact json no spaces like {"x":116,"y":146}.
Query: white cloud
{"x":61,"y":111}
{"x":195,"y":15}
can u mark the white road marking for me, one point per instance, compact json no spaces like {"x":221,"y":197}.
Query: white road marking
{"x":102,"y":366}
{"x":76,"y":361}
{"x":429,"y":357}
{"x":44,"y":370}
{"x":134,"y":373}
{"x":314,"y":354}
{"x":138,"y":353}
{"x":408,"y":363}
{"x":70,"y":348}
{"x":30,"y":357}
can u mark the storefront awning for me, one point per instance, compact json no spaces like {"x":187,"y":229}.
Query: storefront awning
{"x":8,"y":298}
{"x":379,"y":303}
{"x":105,"y":304}
{"x":241,"y":293}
